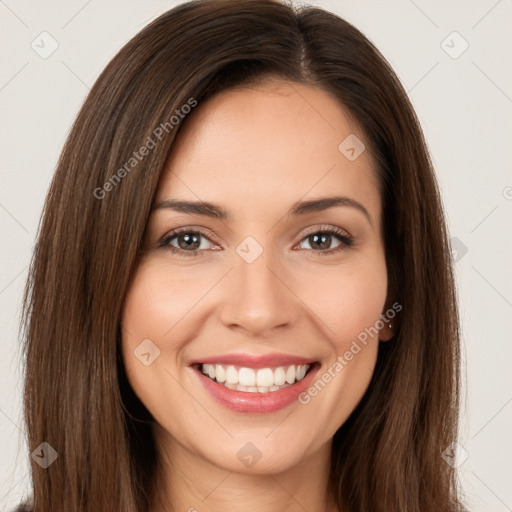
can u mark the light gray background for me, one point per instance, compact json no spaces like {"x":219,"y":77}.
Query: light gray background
{"x":465,"y":107}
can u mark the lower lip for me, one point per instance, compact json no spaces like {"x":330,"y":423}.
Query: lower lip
{"x":261,"y":403}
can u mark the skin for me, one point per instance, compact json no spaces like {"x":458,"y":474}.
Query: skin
{"x":238,"y":150}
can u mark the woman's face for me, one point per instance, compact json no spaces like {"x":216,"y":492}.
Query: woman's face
{"x":282,"y":284}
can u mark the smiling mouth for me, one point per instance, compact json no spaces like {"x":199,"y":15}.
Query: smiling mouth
{"x":252,"y":380}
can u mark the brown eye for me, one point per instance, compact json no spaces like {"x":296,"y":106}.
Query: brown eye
{"x":188,"y":241}
{"x":185,"y":241}
{"x":321,"y":240}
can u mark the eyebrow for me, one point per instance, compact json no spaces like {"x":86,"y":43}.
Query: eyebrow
{"x":299,"y":208}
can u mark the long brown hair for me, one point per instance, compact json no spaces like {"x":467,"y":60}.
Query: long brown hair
{"x":387,"y":456}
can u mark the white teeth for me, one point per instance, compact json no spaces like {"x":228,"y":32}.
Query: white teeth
{"x":301,"y":371}
{"x":255,"y":389}
{"x":290,"y":375}
{"x":249,"y":380}
{"x":247,"y":377}
{"x":265,"y":377}
{"x":247,"y":389}
{"x":279,"y":376}
{"x":220,"y":373}
{"x":231,"y":375}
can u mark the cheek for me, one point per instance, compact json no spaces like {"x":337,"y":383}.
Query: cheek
{"x":150,"y":312}
{"x":160,"y":305}
{"x":349,"y":303}
{"x":347,"y":300}
{"x":158,"y":300}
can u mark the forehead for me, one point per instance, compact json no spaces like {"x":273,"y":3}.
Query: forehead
{"x":275,"y":143}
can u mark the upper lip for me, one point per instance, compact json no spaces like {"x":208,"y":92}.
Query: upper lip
{"x":254,"y":361}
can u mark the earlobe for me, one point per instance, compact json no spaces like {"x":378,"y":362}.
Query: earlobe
{"x":387,"y":332}
{"x":389,"y":321}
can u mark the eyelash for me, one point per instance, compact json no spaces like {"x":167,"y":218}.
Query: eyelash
{"x":346,"y":240}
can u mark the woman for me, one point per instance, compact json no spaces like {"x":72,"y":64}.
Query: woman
{"x":307,"y":356}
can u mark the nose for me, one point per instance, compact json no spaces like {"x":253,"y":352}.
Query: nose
{"x":258,"y":298}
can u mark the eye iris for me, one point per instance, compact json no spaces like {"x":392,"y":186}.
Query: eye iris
{"x":323,"y":239}
{"x":191,"y":241}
